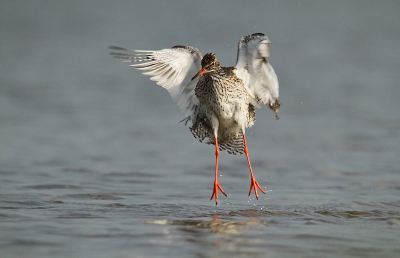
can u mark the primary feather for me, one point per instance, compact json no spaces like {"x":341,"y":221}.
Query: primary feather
{"x":171,"y":68}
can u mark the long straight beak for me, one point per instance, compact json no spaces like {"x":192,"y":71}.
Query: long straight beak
{"x":202,"y":71}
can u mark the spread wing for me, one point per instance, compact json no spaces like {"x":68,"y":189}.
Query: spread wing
{"x":257,"y":74}
{"x":171,"y":68}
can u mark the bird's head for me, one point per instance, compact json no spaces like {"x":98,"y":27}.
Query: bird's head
{"x":209,"y":63}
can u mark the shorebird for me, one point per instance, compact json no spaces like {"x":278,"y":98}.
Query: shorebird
{"x":219,"y":101}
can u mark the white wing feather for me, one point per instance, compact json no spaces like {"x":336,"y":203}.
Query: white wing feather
{"x":253,"y":68}
{"x":171,"y":68}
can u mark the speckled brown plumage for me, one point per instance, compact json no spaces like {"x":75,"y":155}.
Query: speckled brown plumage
{"x":219,"y":93}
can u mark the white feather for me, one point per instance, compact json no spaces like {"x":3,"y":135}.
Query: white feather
{"x":172,"y":69}
{"x":253,"y":69}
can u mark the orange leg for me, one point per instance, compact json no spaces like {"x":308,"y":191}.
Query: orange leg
{"x":253,"y":182}
{"x":216,"y":183}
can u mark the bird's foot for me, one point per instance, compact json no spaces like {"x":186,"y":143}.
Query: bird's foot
{"x":217,"y":187}
{"x":254,"y":185}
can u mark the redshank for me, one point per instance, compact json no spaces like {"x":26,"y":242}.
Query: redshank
{"x":219,"y":101}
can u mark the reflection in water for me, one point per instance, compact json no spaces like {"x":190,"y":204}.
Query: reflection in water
{"x":214,"y":226}
{"x":258,"y":232}
{"x":216,"y":235}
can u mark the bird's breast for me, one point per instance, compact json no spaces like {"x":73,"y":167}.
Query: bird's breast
{"x":221,"y":93}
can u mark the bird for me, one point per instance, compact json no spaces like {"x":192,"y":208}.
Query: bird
{"x":219,"y":101}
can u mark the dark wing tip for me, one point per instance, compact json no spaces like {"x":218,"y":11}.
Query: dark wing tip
{"x":117,"y":48}
{"x":121,"y":48}
{"x":258,"y":34}
{"x":179,"y":46}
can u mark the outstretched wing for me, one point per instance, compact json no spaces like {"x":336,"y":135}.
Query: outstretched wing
{"x":171,"y":68}
{"x":257,"y":74}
